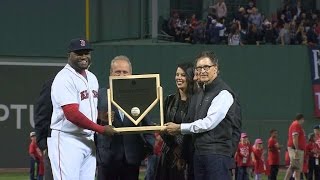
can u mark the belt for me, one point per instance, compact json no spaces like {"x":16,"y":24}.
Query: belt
{"x":55,"y":133}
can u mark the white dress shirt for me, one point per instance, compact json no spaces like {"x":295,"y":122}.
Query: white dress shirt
{"x":217,"y":111}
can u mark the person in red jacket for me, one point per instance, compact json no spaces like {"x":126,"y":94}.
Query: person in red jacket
{"x":312,"y":151}
{"x":258,"y":162}
{"x":296,"y":147}
{"x":153,"y":159}
{"x":273,"y":154}
{"x":244,"y":157}
{"x":36,"y":159}
{"x":316,"y":131}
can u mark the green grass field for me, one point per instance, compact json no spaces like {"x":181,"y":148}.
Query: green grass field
{"x":25,"y":176}
{"x":14,"y":176}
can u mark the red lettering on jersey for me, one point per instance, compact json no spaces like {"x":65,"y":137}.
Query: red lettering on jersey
{"x":84,"y":95}
{"x":95,"y":94}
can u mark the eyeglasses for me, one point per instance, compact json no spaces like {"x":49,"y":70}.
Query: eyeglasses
{"x":205,"y":68}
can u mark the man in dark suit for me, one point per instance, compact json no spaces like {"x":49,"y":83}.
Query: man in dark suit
{"x":119,"y":156}
{"x":42,"y":119}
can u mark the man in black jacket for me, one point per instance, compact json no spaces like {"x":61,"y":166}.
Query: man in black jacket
{"x":42,"y":119}
{"x":217,"y":122}
{"x":119,"y":156}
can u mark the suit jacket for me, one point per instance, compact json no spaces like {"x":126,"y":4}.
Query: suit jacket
{"x":111,"y":150}
{"x":42,"y":115}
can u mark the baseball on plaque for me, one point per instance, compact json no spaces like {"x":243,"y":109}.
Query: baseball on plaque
{"x":136,"y":96}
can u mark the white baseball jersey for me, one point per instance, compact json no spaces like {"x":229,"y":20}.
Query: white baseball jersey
{"x":71,"y":149}
{"x":70,"y":87}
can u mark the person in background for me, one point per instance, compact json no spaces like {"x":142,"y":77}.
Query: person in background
{"x":296,"y":147}
{"x":316,"y":131}
{"x":245,"y":157}
{"x":153,"y":159}
{"x":220,"y":9}
{"x":258,"y":162}
{"x":313,"y":151}
{"x":235,"y":38}
{"x":42,"y":120}
{"x":273,"y":154}
{"x":36,"y":160}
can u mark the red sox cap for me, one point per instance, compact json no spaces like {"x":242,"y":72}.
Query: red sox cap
{"x":32,"y":134}
{"x":258,"y":141}
{"x":244,"y":135}
{"x":79,"y":44}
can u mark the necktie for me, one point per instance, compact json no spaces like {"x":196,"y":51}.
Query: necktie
{"x":121,"y":114}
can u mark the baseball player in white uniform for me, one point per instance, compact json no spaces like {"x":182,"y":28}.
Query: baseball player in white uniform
{"x":74,"y":94}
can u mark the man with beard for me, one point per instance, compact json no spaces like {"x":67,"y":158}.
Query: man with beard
{"x":74,"y":95}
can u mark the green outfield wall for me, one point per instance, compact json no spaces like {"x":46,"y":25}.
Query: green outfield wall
{"x":273,"y":83}
{"x":40,"y":27}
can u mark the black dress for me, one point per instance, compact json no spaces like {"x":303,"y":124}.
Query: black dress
{"x":174,"y":149}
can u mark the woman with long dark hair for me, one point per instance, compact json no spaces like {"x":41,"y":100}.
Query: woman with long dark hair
{"x":176,"y":159}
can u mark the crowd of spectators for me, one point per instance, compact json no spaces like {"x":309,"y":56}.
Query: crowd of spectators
{"x":290,"y":25}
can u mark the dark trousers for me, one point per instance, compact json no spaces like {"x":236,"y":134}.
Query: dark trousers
{"x":47,"y":166}
{"x":34,"y":169}
{"x":118,"y":172}
{"x":213,"y":167}
{"x":190,"y":171}
{"x":242,"y":173}
{"x":152,"y":165}
{"x":274,"y":169}
{"x":313,"y":169}
{"x":236,"y":173}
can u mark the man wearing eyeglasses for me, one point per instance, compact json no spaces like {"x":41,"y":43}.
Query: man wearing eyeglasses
{"x":217,"y":122}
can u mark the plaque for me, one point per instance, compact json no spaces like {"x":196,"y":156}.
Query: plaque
{"x":136,"y":96}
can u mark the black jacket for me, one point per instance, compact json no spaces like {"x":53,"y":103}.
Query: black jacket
{"x":42,"y":115}
{"x":112,"y":149}
{"x":171,"y":104}
{"x":223,"y":139}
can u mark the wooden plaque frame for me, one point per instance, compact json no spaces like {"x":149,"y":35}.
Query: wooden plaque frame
{"x":158,"y":99}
